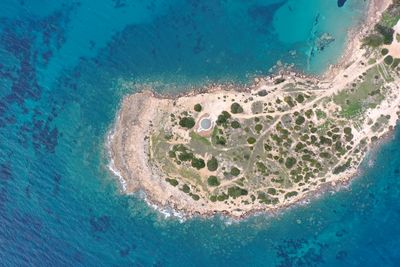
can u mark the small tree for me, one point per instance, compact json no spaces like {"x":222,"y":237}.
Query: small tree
{"x":236,"y":108}
{"x":198,"y":108}
{"x":300,"y":98}
{"x":388,"y":60}
{"x":213,"y":181}
{"x":300,"y":120}
{"x":236,"y":191}
{"x":212,"y":164}
{"x":235,"y":171}
{"x":187,"y":122}
{"x":198,"y":163}
{"x":235,"y":124}
{"x":185,"y":188}
{"x":290,"y":162}
{"x":251,"y":140}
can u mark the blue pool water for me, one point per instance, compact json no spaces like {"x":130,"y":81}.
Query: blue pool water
{"x":65,"y":66}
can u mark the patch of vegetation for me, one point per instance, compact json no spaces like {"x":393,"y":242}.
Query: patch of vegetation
{"x":289,"y":101}
{"x":342,"y":168}
{"x":279,"y":80}
{"x":251,"y":140}
{"x":300,"y":120}
{"x":385,"y":32}
{"x":373,"y":40}
{"x":223,"y":118}
{"x":396,"y":63}
{"x":320,"y":114}
{"x":172,"y":182}
{"x":212,"y":164}
{"x":291,"y":194}
{"x":264,"y":198}
{"x":300,"y":98}
{"x":271,"y":191}
{"x":364,"y":95}
{"x":388,"y":60}
{"x":217,"y":138}
{"x":213,"y":181}
{"x":198,"y":163}
{"x":185,"y":188}
{"x":235,"y":124}
{"x":187,"y":122}
{"x":262,"y":92}
{"x":236,"y":108}
{"x":384,"y":51}
{"x":199,"y":139}
{"x":236,"y":192}
{"x":198,"y":108}
{"x":290,"y":162}
{"x":235,"y":171}
{"x":195,"y":196}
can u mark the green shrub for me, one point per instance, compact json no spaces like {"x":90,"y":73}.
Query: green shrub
{"x":222,"y":197}
{"x":198,"y":163}
{"x":300,"y":120}
{"x":291,"y":194}
{"x":386,"y":32}
{"x":236,"y":108}
{"x":289,"y":101}
{"x":236,"y":191}
{"x":185,"y":156}
{"x":342,"y":168}
{"x":251,"y":140}
{"x":173,"y":182}
{"x":220,"y":140}
{"x":235,"y":171}
{"x":258,"y":127}
{"x":347,"y":130}
{"x":308,"y":113}
{"x":213,"y":181}
{"x":384,"y":51}
{"x":185,"y":188}
{"x":213,"y":198}
{"x":212,"y":164}
{"x":290,"y":162}
{"x":198,"y":108}
{"x":187,"y":122}
{"x":300,"y":98}
{"x":195,"y":196}
{"x":235,"y":124}
{"x":267,"y":147}
{"x":325,"y":155}
{"x":223,"y":118}
{"x":388,"y":60}
{"x":271,"y":191}
{"x":279,"y":80}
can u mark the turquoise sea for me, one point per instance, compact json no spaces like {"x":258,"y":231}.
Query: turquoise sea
{"x":64,"y":68}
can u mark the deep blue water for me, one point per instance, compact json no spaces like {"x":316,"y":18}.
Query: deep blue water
{"x":65,"y":66}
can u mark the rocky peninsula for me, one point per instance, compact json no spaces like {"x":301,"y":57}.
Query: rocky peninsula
{"x":224,"y":151}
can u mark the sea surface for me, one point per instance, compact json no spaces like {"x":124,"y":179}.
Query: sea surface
{"x":64,"y":68}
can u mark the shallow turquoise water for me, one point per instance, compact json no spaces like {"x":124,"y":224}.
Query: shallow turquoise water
{"x":63,"y":67}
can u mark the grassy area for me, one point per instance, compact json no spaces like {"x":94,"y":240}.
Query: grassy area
{"x":363,"y":95}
